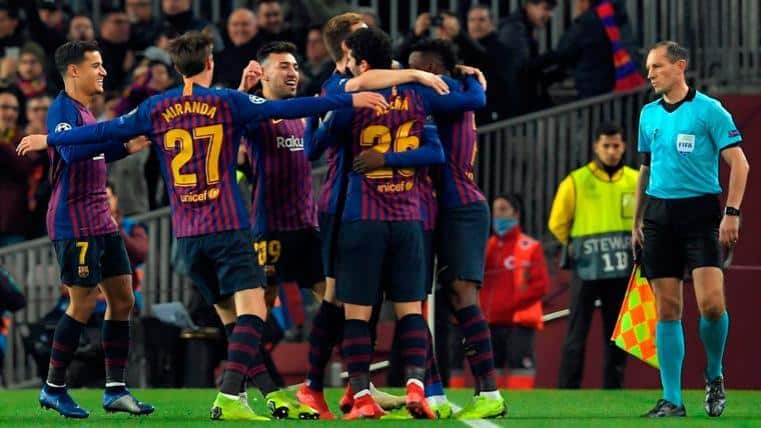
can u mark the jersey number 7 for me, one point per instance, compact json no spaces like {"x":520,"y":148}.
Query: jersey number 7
{"x":184,"y":139}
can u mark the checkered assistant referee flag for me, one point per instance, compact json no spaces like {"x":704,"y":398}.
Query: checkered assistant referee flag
{"x":635,"y":328}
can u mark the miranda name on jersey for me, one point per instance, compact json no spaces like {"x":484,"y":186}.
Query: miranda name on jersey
{"x":188,"y":107}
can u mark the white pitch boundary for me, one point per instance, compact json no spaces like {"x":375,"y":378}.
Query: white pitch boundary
{"x":475,"y":423}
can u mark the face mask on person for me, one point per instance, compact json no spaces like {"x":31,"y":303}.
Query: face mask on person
{"x":503,"y":225}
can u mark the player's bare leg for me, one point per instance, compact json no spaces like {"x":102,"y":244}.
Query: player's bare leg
{"x":670,"y":337}
{"x":54,"y":394}
{"x":714,"y":326}
{"x":116,"y":340}
{"x":465,"y":305}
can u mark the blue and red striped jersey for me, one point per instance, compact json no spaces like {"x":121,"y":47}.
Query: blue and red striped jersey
{"x":283,"y":199}
{"x":429,"y":205}
{"x":335,"y":178}
{"x":387,"y":194}
{"x":78,"y":205}
{"x":455,"y":181}
{"x":197,"y":132}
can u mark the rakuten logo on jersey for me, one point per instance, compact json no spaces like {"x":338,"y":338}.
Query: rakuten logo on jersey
{"x":291,"y":143}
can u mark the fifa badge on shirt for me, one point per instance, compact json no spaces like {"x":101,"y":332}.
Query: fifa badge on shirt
{"x":685,"y":144}
{"x":83,"y":271}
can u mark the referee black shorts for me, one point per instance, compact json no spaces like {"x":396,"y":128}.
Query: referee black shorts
{"x":680,"y":234}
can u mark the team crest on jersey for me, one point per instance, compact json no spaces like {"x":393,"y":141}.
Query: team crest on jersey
{"x":83,"y":271}
{"x":256,"y":100}
{"x":63,"y":126}
{"x":685,"y":144}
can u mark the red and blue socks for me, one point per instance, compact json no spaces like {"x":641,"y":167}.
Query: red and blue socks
{"x":357,"y":353}
{"x":324,"y":334}
{"x":242,"y":350}
{"x":115,"y":341}
{"x":478,"y":349}
{"x":65,"y":342}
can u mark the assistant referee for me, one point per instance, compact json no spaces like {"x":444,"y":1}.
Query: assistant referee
{"x":681,"y":224}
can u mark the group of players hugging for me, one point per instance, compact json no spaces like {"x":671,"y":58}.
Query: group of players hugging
{"x":399,"y":191}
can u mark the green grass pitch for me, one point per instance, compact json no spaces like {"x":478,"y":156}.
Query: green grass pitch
{"x":537,"y":408}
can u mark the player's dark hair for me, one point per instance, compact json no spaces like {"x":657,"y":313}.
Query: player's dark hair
{"x":674,"y":51}
{"x":190,"y":51}
{"x":336,"y":30}
{"x":609,"y":129}
{"x":515,"y":200}
{"x":442,"y":50}
{"x":276,"y":47}
{"x":551,"y":3}
{"x":73,"y":53}
{"x":372,"y":46}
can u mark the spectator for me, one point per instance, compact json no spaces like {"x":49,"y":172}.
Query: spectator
{"x":443,"y":26}
{"x":14,"y":173}
{"x":81,"y":28}
{"x":318,"y":65}
{"x":118,"y":59}
{"x":179,"y":19}
{"x":515,"y":281}
{"x":244,"y":43}
{"x":36,"y":114}
{"x":269,"y":14}
{"x":39,"y":185}
{"x":144,"y":28}
{"x":586,"y":48}
{"x":135,"y":238}
{"x":150,"y":78}
{"x":46,"y":25}
{"x":31,"y":78}
{"x":592,"y":214}
{"x":481,"y":29}
{"x":369,"y":16}
{"x":517,"y":32}
{"x":10,"y":36}
{"x":130,"y":172}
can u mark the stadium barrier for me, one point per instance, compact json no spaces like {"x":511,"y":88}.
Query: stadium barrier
{"x":530,"y":155}
{"x":527,"y":155}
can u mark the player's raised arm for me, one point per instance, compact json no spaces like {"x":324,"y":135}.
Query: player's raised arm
{"x":379,"y":79}
{"x":472,"y":98}
{"x":100,"y":134}
{"x":253,"y":108}
{"x":430,"y":152}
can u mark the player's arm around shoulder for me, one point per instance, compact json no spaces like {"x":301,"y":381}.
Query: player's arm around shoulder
{"x":379,"y":79}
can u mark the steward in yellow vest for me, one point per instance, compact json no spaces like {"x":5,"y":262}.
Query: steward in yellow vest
{"x":592,"y":213}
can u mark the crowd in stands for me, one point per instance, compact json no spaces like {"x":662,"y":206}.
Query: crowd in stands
{"x":132,"y":41}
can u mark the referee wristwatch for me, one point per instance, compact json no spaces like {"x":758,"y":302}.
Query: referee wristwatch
{"x":731,"y":211}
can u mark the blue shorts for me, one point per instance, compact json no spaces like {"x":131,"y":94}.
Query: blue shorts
{"x":294,"y":255}
{"x":329,"y":226}
{"x":220,"y":264}
{"x":461,"y":243}
{"x":86,"y":261}
{"x":380,"y":256}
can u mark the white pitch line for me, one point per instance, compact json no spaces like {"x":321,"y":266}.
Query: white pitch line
{"x":474,"y":423}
